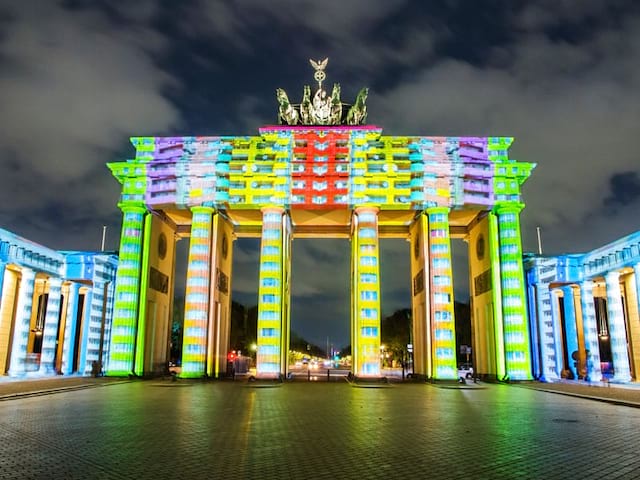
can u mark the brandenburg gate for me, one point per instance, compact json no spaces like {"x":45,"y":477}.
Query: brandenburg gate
{"x":322,"y":172}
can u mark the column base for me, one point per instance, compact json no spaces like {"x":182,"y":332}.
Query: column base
{"x":369,"y":381}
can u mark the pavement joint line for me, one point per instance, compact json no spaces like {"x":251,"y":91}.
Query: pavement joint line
{"x":48,"y":391}
{"x":612,"y":401}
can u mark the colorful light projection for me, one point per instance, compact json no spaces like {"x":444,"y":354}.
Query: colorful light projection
{"x":125,"y":316}
{"x":514,"y":317}
{"x":196,"y":319}
{"x":444,"y":338}
{"x":329,"y":168}
{"x":366,"y":292}
{"x":270,"y":292}
{"x":617,"y":327}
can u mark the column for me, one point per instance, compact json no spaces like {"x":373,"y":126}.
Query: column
{"x":534,"y":332}
{"x":421,"y":301}
{"x":590,"y":328}
{"x":3,"y":266}
{"x":196,"y":302}
{"x":570,"y":329}
{"x":83,"y":366}
{"x":68,"y":350}
{"x":636,"y":274}
{"x":50,"y":334}
{"x":22,"y":323}
{"x":557,"y":330}
{"x":633,"y":320}
{"x":516,"y":333}
{"x":496,"y":294}
{"x":365,"y":293}
{"x":548,"y":344}
{"x":271,"y":354}
{"x":443,"y":325}
{"x":617,"y":329}
{"x":125,"y":313}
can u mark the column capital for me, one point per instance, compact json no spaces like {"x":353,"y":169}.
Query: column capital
{"x":366,"y":209}
{"x":132,"y":207}
{"x":55,"y":281}
{"x":202,"y":209}
{"x":437,"y":209}
{"x":272,"y":209}
{"x":27,"y":274}
{"x":509,"y":207}
{"x":586,"y":284}
{"x":612,"y":276}
{"x":568,"y":287}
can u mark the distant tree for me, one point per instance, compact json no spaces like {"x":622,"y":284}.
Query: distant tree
{"x":396,"y":330}
{"x":177,"y":322}
{"x":396,"y":333}
{"x":302,"y":345}
{"x":244,"y":327}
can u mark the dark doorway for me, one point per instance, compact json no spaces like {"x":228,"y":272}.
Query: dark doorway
{"x":76,"y":339}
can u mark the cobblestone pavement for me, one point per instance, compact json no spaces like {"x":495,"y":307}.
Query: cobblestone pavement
{"x":233,"y":430}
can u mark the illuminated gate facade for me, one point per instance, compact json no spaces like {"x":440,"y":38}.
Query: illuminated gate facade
{"x":323,"y":172}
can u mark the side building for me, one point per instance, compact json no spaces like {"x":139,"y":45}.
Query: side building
{"x":584,"y":313}
{"x":55,"y":308}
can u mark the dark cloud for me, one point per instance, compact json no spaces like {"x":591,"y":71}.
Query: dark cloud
{"x":624,"y":189}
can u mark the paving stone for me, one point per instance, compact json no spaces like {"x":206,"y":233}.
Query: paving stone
{"x":231,"y":430}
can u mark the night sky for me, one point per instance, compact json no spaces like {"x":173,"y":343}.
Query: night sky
{"x":77,"y":79}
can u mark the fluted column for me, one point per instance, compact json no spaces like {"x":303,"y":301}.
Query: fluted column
{"x":570,"y":328}
{"x":590,"y":328}
{"x":272,"y":329}
{"x":3,"y":266}
{"x":127,"y":296}
{"x":84,"y":367}
{"x":196,"y":302}
{"x":636,"y":274}
{"x":443,"y":323}
{"x":22,"y":323}
{"x":617,"y":329}
{"x":557,"y":330}
{"x":496,"y":296}
{"x":50,"y":334}
{"x":366,"y":292}
{"x":70,"y":325}
{"x":545,"y":318}
{"x":516,"y":332}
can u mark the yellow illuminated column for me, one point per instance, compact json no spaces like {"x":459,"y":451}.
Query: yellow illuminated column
{"x":365,"y":293}
{"x":634,"y":320}
{"x":22,"y":322}
{"x":50,"y":334}
{"x":271,"y":356}
{"x":636,"y":274}
{"x":421,"y":296}
{"x":441,"y":282}
{"x":3,"y":266}
{"x":196,"y":302}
